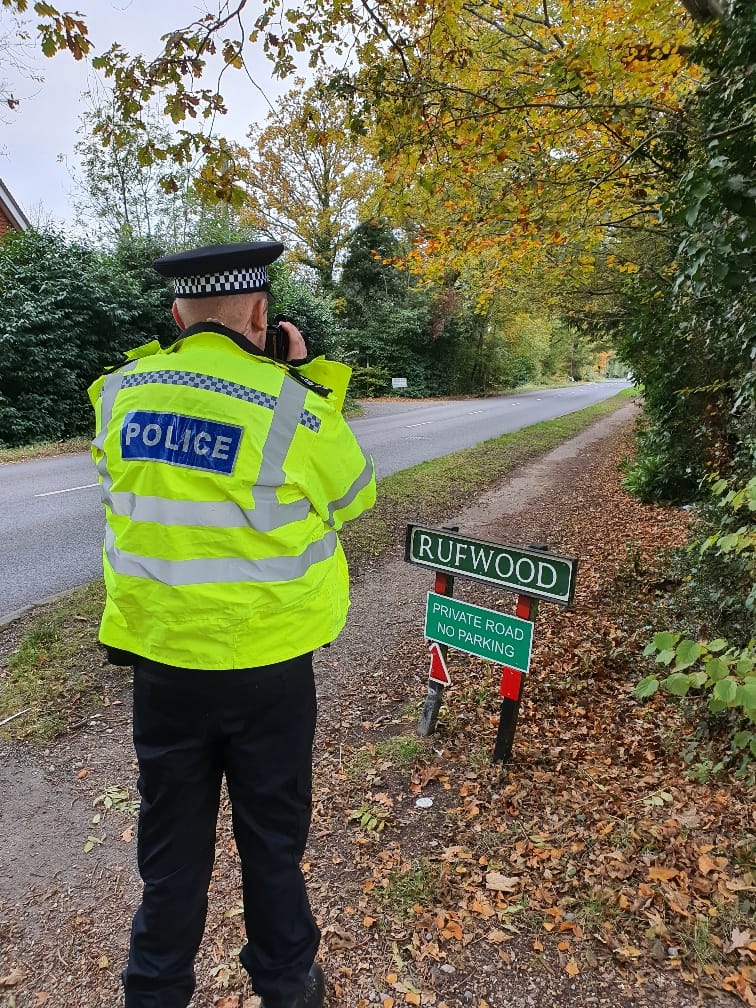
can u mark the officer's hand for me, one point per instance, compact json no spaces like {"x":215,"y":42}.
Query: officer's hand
{"x":297,"y":346}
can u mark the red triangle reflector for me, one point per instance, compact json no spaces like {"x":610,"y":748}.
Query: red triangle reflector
{"x":438,"y":671}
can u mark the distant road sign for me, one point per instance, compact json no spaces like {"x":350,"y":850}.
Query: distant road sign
{"x":486,"y":633}
{"x":526,"y":571}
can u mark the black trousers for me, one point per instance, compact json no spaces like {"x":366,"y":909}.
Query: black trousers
{"x":191,"y":727}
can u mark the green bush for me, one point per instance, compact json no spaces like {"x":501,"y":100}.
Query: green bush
{"x":720,"y":672}
{"x":68,"y":312}
{"x":369,"y":382}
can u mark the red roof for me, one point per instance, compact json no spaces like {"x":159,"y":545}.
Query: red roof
{"x":12,"y":217}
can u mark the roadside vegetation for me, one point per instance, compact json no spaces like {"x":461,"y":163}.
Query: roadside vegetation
{"x":44,"y":449}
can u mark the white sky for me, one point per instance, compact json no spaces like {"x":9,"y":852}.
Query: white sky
{"x":44,"y":126}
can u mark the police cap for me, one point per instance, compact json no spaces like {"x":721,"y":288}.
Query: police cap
{"x":220,"y":269}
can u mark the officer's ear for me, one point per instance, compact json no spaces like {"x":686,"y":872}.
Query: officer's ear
{"x":177,"y":316}
{"x":259,"y":313}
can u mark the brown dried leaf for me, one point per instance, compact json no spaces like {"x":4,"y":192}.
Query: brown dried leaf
{"x":337,"y":938}
{"x":656,"y":874}
{"x":738,"y":939}
{"x":502,"y":883}
{"x":15,"y":976}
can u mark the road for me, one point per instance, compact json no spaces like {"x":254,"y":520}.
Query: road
{"x":51,"y":524}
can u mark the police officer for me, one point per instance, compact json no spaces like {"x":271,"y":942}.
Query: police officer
{"x":225,"y":476}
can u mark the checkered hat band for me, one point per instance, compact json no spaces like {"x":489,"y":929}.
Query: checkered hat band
{"x":233,"y":281}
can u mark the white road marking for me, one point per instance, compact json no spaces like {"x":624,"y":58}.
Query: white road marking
{"x":473,"y":411}
{"x":51,"y":493}
{"x":423,"y":424}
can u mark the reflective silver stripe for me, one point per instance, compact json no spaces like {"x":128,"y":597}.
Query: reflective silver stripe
{"x":269,"y":513}
{"x":359,"y":484}
{"x":205,"y":514}
{"x":285,"y":420}
{"x":110,"y":389}
{"x":223,"y":570}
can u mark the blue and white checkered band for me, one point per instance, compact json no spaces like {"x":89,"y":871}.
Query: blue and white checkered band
{"x":234,"y":281}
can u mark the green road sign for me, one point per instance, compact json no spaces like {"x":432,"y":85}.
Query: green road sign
{"x":486,"y":633}
{"x":527,"y":571}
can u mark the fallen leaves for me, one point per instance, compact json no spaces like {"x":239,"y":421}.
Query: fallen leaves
{"x":336,"y":938}
{"x":14,"y":977}
{"x":591,"y":854}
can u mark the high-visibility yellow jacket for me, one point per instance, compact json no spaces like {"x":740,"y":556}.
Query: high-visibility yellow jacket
{"x":225,"y":477}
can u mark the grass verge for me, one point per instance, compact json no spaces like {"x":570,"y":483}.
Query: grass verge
{"x":45,"y":449}
{"x":55,"y":674}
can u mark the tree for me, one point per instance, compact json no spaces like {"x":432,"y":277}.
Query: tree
{"x":434,"y":335}
{"x":526,"y":121}
{"x":691,"y":336}
{"x":116,"y":195}
{"x":55,"y":31}
{"x":307,"y":177}
{"x":119,"y":197}
{"x":67,"y":314}
{"x":577,"y":79}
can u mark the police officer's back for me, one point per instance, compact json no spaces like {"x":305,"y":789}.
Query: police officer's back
{"x":225,"y":476}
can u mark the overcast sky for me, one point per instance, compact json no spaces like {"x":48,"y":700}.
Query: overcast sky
{"x":43,"y":128}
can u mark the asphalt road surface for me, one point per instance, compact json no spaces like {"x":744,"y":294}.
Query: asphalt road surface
{"x":51,"y":524}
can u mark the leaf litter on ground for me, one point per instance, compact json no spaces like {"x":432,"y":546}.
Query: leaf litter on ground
{"x":590,"y":870}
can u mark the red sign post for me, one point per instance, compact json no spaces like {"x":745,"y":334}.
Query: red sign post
{"x":510,"y":690}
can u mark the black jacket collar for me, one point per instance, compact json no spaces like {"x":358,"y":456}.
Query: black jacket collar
{"x":215,"y":327}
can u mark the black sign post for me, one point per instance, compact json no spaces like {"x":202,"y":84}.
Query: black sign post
{"x":444,"y":585}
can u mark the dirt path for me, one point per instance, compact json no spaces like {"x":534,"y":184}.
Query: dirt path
{"x":409,"y":914}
